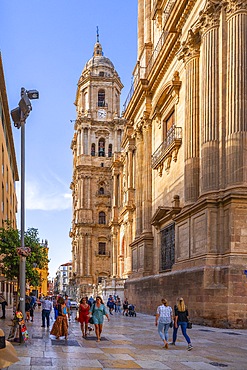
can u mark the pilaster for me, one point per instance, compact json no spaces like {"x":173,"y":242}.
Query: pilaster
{"x":236,"y":94}
{"x":190,"y":53}
{"x":209,"y":24}
{"x":139,"y":185}
{"x":147,"y":176}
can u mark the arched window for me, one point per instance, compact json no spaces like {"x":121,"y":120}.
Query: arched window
{"x":101,"y":148}
{"x":93,"y":150}
{"x":110,"y":150}
{"x":101,"y":190}
{"x":101,"y":98}
{"x":102,"y":218}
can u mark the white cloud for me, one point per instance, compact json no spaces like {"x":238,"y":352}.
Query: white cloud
{"x":46,"y":194}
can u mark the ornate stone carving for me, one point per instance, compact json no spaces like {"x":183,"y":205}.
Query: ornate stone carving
{"x":191,"y":47}
{"x":232,"y":6}
{"x":210,"y":16}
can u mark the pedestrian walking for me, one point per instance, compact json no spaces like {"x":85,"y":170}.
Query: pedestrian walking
{"x":68,"y":305}
{"x":27,"y":308}
{"x":125,"y":307}
{"x":98,"y":311}
{"x":46,"y":310}
{"x":118,"y":305}
{"x":60,"y":326}
{"x":181,"y":319}
{"x":3,"y":303}
{"x":84,"y":316}
{"x":33,"y":305}
{"x":163,"y":320}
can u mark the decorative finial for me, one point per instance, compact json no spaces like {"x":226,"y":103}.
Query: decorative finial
{"x":97,"y":34}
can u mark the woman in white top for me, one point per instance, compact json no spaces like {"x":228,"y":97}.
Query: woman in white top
{"x":163,"y":320}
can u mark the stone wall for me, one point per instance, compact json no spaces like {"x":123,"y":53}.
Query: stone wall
{"x":217,"y":305}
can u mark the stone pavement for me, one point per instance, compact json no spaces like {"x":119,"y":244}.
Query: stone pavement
{"x":129,"y":343}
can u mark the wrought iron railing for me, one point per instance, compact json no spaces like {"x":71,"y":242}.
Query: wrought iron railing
{"x":175,"y":133}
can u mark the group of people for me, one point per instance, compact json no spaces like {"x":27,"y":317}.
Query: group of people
{"x":93,"y":312}
{"x":61,"y":307}
{"x":165,"y":318}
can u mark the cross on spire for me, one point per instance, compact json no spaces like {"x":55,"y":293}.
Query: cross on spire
{"x":97,"y":34}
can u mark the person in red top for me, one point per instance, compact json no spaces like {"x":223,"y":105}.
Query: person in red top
{"x":83,"y":316}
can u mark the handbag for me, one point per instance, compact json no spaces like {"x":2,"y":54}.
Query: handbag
{"x":171,"y":324}
{"x":189,"y":325}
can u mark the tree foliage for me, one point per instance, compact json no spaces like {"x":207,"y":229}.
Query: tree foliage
{"x":10,"y":240}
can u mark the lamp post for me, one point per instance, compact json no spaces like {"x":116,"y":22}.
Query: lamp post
{"x":19,"y":116}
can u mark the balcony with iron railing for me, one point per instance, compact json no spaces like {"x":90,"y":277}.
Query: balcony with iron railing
{"x":167,"y":149}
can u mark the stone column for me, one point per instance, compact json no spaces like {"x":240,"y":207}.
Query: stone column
{"x":140,"y":27}
{"x":236,"y":92}
{"x":79,"y":142}
{"x":210,"y":21}
{"x":128,"y":259}
{"x":147,"y":31}
{"x":115,"y":189}
{"x":81,"y":254}
{"x":88,"y":250}
{"x":130,"y":167}
{"x":82,"y":140}
{"x":88,"y":147}
{"x":82,"y":193}
{"x":139,"y":189}
{"x":190,"y":53}
{"x":114,"y":253}
{"x":116,"y":140}
{"x":147,"y":177}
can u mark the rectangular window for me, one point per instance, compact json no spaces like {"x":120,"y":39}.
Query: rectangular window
{"x":169,"y":124}
{"x":167,"y":247}
{"x":102,"y":248}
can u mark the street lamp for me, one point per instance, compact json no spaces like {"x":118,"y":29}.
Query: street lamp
{"x":19,"y":116}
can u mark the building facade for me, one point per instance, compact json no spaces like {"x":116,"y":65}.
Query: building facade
{"x":62,"y":279}
{"x":96,"y":141}
{"x":8,"y":175}
{"x":182,"y":201}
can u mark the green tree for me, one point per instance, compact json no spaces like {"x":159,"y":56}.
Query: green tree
{"x":10,"y":240}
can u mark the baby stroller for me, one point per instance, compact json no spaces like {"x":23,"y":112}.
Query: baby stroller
{"x":131,"y":310}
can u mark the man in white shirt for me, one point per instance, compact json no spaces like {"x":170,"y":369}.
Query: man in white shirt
{"x":46,"y":310}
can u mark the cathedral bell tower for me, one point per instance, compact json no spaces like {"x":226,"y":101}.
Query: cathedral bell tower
{"x":97,"y":137}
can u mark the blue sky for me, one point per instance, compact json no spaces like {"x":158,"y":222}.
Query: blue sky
{"x":45,"y":45}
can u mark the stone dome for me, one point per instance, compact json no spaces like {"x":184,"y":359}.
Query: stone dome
{"x":98,"y":59}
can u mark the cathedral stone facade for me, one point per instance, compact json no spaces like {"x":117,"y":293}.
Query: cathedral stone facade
{"x":184,"y":217}
{"x":97,"y":138}
{"x":175,"y":191}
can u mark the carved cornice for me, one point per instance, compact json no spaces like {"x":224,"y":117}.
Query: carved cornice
{"x":209,"y":17}
{"x":235,"y":6}
{"x":190,"y":48}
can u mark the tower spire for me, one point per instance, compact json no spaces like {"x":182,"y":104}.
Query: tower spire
{"x":97,"y":34}
{"x":97,"y":46}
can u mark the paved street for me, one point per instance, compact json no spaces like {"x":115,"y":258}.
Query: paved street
{"x":129,"y":343}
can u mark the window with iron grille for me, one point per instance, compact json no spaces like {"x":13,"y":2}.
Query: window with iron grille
{"x":101,"y":98}
{"x":102,"y":220}
{"x":102,"y":248}
{"x":167,"y":247}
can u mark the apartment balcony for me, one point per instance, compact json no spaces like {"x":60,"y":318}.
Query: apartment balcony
{"x":167,"y":150}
